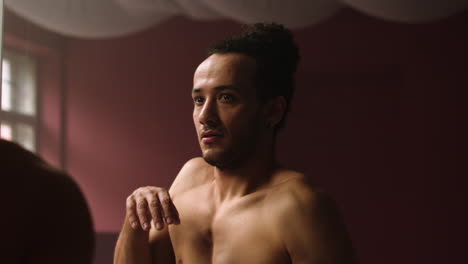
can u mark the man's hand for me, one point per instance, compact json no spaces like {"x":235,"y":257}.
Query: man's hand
{"x":151,"y":203}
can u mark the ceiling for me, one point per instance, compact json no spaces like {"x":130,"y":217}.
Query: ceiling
{"x":110,"y":18}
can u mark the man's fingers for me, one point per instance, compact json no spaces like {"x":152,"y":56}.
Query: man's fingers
{"x":144,"y":215}
{"x":131,"y":212}
{"x":155,"y":209}
{"x":148,"y":204}
{"x":170,"y":212}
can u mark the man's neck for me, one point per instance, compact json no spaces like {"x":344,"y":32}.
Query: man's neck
{"x":251,"y":176}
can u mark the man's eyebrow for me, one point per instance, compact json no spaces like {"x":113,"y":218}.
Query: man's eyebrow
{"x":218,"y":88}
{"x":227,"y":87}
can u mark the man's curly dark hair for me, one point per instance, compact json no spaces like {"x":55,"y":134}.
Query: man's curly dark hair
{"x":276,"y":55}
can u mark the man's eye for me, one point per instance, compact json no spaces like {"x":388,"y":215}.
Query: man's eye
{"x":198,"y":100}
{"x":226,"y":98}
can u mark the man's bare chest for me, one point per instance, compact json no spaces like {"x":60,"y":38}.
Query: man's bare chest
{"x":238,"y":232}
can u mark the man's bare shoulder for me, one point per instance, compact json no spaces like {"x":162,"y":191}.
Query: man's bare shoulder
{"x":194,"y":173}
{"x":308,"y":222}
{"x":286,"y":181}
{"x":294,"y":192}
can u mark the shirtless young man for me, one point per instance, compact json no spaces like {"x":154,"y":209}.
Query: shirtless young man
{"x":236,"y":204}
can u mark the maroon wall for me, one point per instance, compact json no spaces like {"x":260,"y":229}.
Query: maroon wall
{"x":376,"y":120}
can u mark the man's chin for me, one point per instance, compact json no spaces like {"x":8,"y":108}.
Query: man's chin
{"x":211,"y":158}
{"x":215,"y":158}
{"x":221,"y":160}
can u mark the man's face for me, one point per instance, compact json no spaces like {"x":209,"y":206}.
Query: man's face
{"x":226,"y":113}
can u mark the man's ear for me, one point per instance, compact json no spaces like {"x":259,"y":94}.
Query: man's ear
{"x":275,"y":109}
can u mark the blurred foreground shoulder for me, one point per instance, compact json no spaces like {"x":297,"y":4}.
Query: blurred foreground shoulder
{"x":66,"y":221}
{"x":49,"y":220}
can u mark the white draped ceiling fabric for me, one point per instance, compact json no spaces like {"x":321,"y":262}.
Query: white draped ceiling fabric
{"x":111,"y":18}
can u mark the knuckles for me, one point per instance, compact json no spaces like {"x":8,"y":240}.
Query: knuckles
{"x":154,"y":203}
{"x":138,"y":199}
{"x":142,"y":204}
{"x":166,"y":200}
{"x":149,"y":190}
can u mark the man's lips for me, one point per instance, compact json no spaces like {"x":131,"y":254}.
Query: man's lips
{"x":210,"y":136}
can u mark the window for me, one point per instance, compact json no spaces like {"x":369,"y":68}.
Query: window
{"x":19,"y":104}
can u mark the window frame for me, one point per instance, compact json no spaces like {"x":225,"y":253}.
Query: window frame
{"x":49,"y":50}
{"x":15,"y":58}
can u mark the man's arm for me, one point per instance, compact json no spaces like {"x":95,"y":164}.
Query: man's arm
{"x":132,"y":246}
{"x":144,"y":237}
{"x":313,"y":231}
{"x":140,"y":246}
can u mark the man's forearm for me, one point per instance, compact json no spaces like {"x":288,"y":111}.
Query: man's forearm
{"x":132,"y":246}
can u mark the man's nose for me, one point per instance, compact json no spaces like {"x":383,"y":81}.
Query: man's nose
{"x":208,"y":115}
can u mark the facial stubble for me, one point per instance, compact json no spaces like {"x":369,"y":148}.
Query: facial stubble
{"x":241,"y":149}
